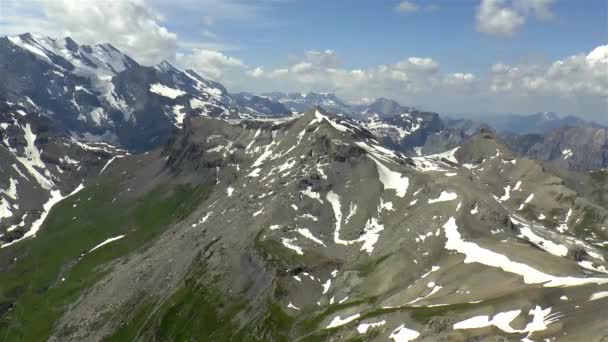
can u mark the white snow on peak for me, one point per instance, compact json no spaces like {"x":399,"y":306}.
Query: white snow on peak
{"x":33,"y":48}
{"x":319,"y":117}
{"x":165,"y":91}
{"x":392,"y":179}
{"x":99,"y":63}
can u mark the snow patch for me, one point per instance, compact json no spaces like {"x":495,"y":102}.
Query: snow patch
{"x":107,"y":242}
{"x":403,"y":334}
{"x":165,"y":91}
{"x":337,"y":321}
{"x":473,"y":253}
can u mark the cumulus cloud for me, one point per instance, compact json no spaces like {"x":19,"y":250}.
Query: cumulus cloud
{"x":322,"y":71}
{"x":575,"y":84}
{"x":579,"y":75}
{"x":505,"y":18}
{"x":130,"y":25}
{"x":326,"y":58}
{"x":406,"y":7}
{"x":211,"y":64}
{"x":411,"y":7}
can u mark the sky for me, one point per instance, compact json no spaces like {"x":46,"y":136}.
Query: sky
{"x":450,"y":56}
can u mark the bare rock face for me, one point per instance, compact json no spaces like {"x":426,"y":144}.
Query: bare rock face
{"x":578,"y":148}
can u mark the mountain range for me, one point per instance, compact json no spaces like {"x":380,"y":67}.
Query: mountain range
{"x":147,"y":203}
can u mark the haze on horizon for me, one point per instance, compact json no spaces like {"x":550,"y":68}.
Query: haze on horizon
{"x":465,"y":56}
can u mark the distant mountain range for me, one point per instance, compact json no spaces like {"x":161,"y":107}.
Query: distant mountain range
{"x":537,"y":123}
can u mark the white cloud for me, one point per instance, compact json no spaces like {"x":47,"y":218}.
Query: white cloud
{"x":326,"y":58}
{"x":211,"y":64}
{"x":130,"y":25}
{"x":575,"y":76}
{"x":411,"y":7}
{"x":419,"y":64}
{"x":459,"y":79}
{"x":576,"y":84}
{"x":406,"y":7}
{"x":321,"y":71}
{"x":505,"y":18}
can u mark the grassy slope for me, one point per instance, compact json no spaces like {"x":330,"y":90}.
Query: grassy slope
{"x":34,"y":283}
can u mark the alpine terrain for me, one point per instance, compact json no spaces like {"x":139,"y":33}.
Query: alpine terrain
{"x":147,"y":203}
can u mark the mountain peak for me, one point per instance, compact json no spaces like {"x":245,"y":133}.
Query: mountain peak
{"x":549,"y":116}
{"x":165,"y":65}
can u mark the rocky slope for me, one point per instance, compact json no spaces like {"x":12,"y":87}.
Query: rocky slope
{"x":578,"y":148}
{"x":39,"y":166}
{"x":310,"y":229}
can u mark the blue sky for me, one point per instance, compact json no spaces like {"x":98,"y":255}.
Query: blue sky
{"x":451,"y":56}
{"x":373,"y":32}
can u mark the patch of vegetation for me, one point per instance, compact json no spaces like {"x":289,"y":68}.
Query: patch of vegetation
{"x":312,"y":322}
{"x":55,"y":267}
{"x":199,"y":311}
{"x":276,"y":254}
{"x":368,"y":267}
{"x":193,"y":313}
{"x":130,"y":329}
{"x":600,"y":176}
{"x":590,"y":218}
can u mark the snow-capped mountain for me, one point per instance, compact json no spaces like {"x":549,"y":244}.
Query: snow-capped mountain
{"x":403,"y":128}
{"x":380,"y":107}
{"x":301,"y":102}
{"x":98,"y":93}
{"x":261,"y":106}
